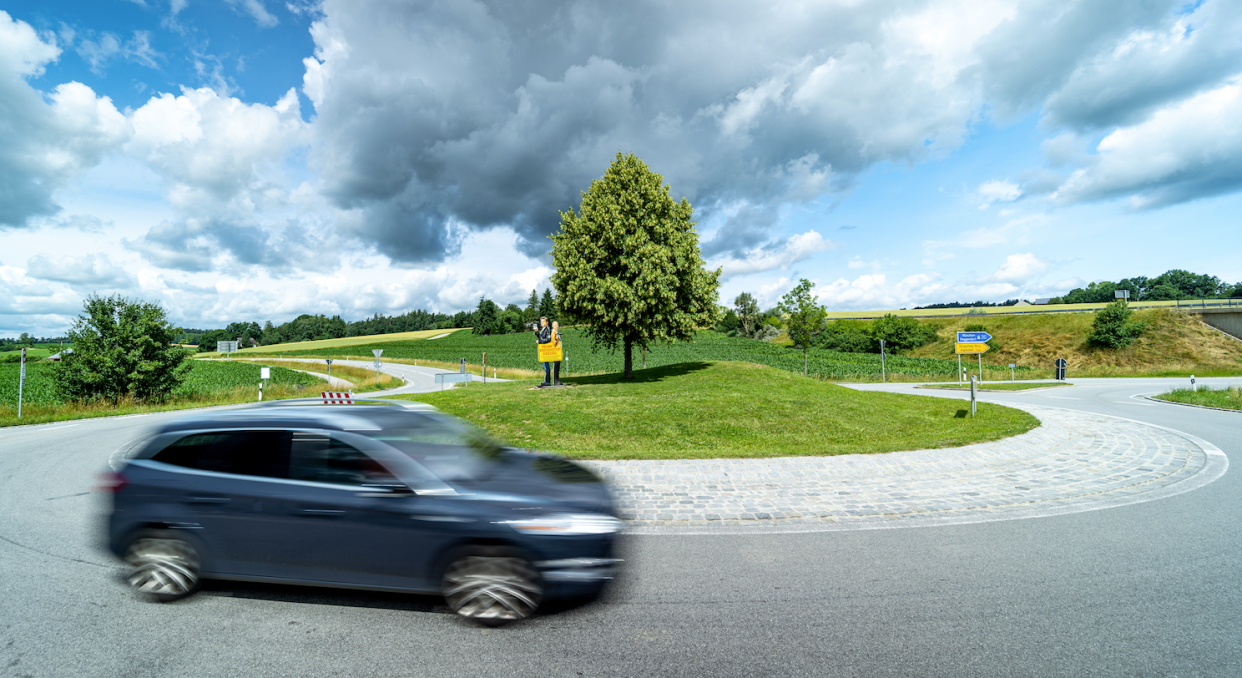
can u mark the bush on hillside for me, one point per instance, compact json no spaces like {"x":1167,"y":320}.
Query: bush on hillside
{"x":1113,"y":326}
{"x":848,"y":336}
{"x":902,"y":334}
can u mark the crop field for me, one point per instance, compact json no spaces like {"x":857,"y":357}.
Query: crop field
{"x":325,"y":344}
{"x":518,"y":351}
{"x":204,"y":381}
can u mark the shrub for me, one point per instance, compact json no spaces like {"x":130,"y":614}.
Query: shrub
{"x":1113,"y":327}
{"x":848,"y":336}
{"x":902,"y":334}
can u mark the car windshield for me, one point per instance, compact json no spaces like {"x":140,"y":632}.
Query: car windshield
{"x":452,"y":449}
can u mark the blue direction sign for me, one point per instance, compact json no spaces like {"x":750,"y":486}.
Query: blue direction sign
{"x":973,"y":337}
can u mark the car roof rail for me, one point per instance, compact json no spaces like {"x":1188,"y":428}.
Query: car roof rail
{"x":342,"y":402}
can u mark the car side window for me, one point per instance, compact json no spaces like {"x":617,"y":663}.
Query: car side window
{"x":251,"y":453}
{"x":324,"y":459}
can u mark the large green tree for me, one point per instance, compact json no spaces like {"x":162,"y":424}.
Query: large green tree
{"x":121,"y":349}
{"x":806,"y":317}
{"x":628,"y":265}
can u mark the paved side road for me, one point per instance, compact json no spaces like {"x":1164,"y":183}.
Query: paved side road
{"x":417,"y":379}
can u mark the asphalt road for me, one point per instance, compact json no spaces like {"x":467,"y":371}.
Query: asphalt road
{"x":1148,"y":589}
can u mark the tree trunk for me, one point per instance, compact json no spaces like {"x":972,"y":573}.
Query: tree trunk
{"x":629,"y":360}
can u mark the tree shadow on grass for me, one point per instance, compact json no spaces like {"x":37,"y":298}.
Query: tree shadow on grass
{"x":651,"y":374}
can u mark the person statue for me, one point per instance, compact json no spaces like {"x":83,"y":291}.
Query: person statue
{"x":556,"y":366}
{"x":543,"y":335}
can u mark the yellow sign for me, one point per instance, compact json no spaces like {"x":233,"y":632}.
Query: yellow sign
{"x":971,"y":348}
{"x":550,"y":352}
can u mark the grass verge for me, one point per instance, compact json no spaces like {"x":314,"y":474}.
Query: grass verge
{"x":43,"y":414}
{"x":1224,"y":398}
{"x":703,"y":410}
{"x":1002,"y":386}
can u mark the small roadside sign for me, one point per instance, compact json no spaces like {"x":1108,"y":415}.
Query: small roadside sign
{"x":970,"y":347}
{"x":377,"y":352}
{"x":226,"y":347}
{"x":265,"y":373}
{"x":973,"y":337}
{"x":377,"y":364}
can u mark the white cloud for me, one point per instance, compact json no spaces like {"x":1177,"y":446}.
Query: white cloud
{"x":997,"y":191}
{"x":1020,"y":268}
{"x":1189,"y":150}
{"x":256,"y":10}
{"x":873,"y":291}
{"x":796,"y":248}
{"x":89,"y":269}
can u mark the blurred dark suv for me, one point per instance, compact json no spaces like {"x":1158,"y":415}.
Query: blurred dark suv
{"x":389,"y":496}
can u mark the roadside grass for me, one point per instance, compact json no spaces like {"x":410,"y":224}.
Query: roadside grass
{"x":363,"y":379}
{"x":1226,"y":398}
{"x":1001,"y":386}
{"x":703,"y":410}
{"x":978,"y":311}
{"x":42,"y":414}
{"x":1175,"y":344}
{"x":345,"y":341}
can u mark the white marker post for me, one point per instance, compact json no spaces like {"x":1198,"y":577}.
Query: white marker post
{"x":972,"y":396}
{"x":883,"y":371}
{"x":485,"y":367}
{"x":21,"y":383}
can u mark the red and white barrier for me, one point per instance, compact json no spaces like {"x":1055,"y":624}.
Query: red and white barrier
{"x":337,"y":398}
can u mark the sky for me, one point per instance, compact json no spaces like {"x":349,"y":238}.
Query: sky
{"x":253,"y":160}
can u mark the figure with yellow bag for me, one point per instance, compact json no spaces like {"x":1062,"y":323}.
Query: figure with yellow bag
{"x":549,"y":344}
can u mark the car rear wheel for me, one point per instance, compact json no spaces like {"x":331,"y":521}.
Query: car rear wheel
{"x":492,"y":587}
{"x":163,"y":565}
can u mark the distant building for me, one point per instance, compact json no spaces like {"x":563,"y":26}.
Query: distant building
{"x":56,"y":357}
{"x":1041,"y":302}
{"x":1022,"y":302}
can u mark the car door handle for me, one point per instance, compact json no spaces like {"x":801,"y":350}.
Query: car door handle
{"x":208,"y":500}
{"x":322,"y":512}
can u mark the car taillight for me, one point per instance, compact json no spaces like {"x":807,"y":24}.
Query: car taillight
{"x":111,"y":482}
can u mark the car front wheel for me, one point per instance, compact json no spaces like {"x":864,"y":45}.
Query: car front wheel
{"x":163,"y":565}
{"x":492,"y":587}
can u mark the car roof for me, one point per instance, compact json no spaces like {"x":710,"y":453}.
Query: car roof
{"x":360,"y":416}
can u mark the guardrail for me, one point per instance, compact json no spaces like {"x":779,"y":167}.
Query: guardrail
{"x":453,"y":378}
{"x":1188,"y":305}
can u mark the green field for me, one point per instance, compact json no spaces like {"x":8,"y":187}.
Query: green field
{"x":205,"y":380}
{"x":332,"y":344}
{"x":518,"y":351}
{"x":699,"y":410}
{"x":1224,"y":398}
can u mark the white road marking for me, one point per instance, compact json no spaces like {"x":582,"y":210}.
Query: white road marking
{"x":1062,"y":398}
{"x":53,"y":428}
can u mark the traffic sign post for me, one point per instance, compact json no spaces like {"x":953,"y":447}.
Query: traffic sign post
{"x":485,"y":367}
{"x":1061,"y":364}
{"x":1011,"y":368}
{"x":972,"y":396}
{"x":377,"y":352}
{"x":329,"y":361}
{"x":226,"y":347}
{"x":972,"y":342}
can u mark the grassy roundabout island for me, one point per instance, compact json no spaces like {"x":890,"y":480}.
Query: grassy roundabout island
{"x":701,"y":410}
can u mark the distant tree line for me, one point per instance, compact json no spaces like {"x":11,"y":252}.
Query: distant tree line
{"x":26,"y":340}
{"x":1168,"y":286}
{"x":487,"y":318}
{"x":958,"y":304}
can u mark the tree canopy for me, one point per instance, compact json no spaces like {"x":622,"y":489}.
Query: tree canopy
{"x":121,"y":349}
{"x":806,"y":317}
{"x":628,"y":265}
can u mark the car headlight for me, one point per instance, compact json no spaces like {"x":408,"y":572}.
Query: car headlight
{"x":568,"y":524}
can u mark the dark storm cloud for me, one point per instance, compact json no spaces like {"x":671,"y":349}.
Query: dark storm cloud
{"x":747,"y":229}
{"x":502,"y":113}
